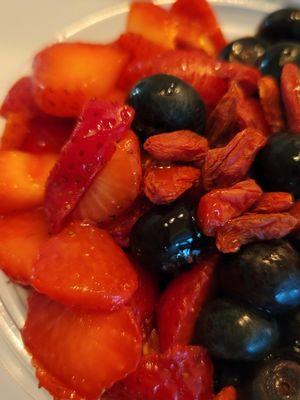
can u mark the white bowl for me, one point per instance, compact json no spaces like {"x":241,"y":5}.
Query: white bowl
{"x":238,"y":18}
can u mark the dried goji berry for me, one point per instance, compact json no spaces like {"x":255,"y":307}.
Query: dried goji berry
{"x":273,"y":202}
{"x":252,"y":227}
{"x":120,"y":227}
{"x":269,"y":95}
{"x":249,"y":114}
{"x":295,"y":212}
{"x":177,"y":146}
{"x":163,"y":185}
{"x":221,"y":205}
{"x":290,"y":91}
{"x":227,"y":393}
{"x":228,"y":165}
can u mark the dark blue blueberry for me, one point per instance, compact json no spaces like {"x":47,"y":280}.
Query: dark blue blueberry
{"x":277,"y":56}
{"x":167,"y":238}
{"x":165,"y":103}
{"x":247,"y":50}
{"x":234,"y":331}
{"x":265,"y":274}
{"x":281,"y":25}
{"x":277,"y":379}
{"x":277,"y":166}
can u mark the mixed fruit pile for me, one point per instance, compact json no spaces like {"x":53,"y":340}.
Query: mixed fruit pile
{"x":150,"y":198}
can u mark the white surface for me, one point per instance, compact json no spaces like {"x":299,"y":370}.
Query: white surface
{"x":25,"y":26}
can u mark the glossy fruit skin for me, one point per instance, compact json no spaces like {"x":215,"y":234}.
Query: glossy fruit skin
{"x":281,"y":25}
{"x":265,"y":274}
{"x":167,"y":238}
{"x":246,"y":50}
{"x":278,"y":164}
{"x":165,"y":103}
{"x":277,"y":56}
{"x":277,"y":379}
{"x":233,"y":331}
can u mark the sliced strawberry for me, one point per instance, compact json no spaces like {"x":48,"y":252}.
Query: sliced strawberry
{"x":83,"y":266}
{"x":86,"y":351}
{"x":91,"y":145}
{"x":201,"y":13}
{"x":181,"y":302}
{"x":22,"y":234}
{"x":138,"y":46}
{"x":23,"y":179}
{"x":182,"y":372}
{"x":67,"y":75}
{"x":19,"y":99}
{"x":116,"y":187}
{"x":15,"y":131}
{"x":153,"y":23}
{"x":290,"y":90}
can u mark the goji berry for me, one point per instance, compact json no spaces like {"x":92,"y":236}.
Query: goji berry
{"x":181,"y":302}
{"x":290,"y":91}
{"x":221,"y":205}
{"x":295,"y":212}
{"x":252,"y":227}
{"x":273,"y":202}
{"x":230,"y":164}
{"x":249,"y":114}
{"x":270,"y":99}
{"x":177,"y":146}
{"x":162,"y":185}
{"x":227,"y":393}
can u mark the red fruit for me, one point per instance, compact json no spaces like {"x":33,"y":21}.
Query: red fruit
{"x":200,"y":12}
{"x":253,"y":227}
{"x":153,"y":23}
{"x":15,"y":131}
{"x":228,"y":165}
{"x":295,"y":212}
{"x":290,"y":84}
{"x":84,"y":350}
{"x":67,"y":75}
{"x":249,"y":114}
{"x":163,"y":185}
{"x":91,"y":145}
{"x":116,"y":186}
{"x":182,"y":372}
{"x":23,"y":179}
{"x":181,"y":303}
{"x":177,"y":146}
{"x":83,"y":266}
{"x":221,"y":205}
{"x":138,"y":46}
{"x":22,"y":235}
{"x":273,"y":202}
{"x":228,"y":393}
{"x":269,"y":95}
{"x":19,"y":99}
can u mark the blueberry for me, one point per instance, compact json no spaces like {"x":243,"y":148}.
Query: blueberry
{"x":275,"y":380}
{"x":234,"y":331}
{"x":277,"y":56}
{"x":281,"y":25}
{"x":167,"y":238}
{"x":265,"y":274}
{"x":247,"y":50}
{"x":277,"y":166}
{"x":165,"y":103}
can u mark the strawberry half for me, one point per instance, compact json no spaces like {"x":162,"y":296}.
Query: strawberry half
{"x":91,"y":145}
{"x":83,"y":266}
{"x":116,"y":187}
{"x":84,"y":350}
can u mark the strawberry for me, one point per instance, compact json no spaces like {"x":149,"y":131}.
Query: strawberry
{"x":86,"y":351}
{"x":138,"y":46}
{"x":153,"y":23}
{"x":201,"y":14}
{"x":181,"y":302}
{"x":115,"y":188}
{"x":22,"y":234}
{"x":15,"y":131}
{"x":19,"y":99}
{"x":91,"y":145}
{"x":67,"y":75}
{"x":228,"y":393}
{"x":182,"y":372}
{"x":83,"y":266}
{"x":23,"y":179}
{"x":290,"y":83}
